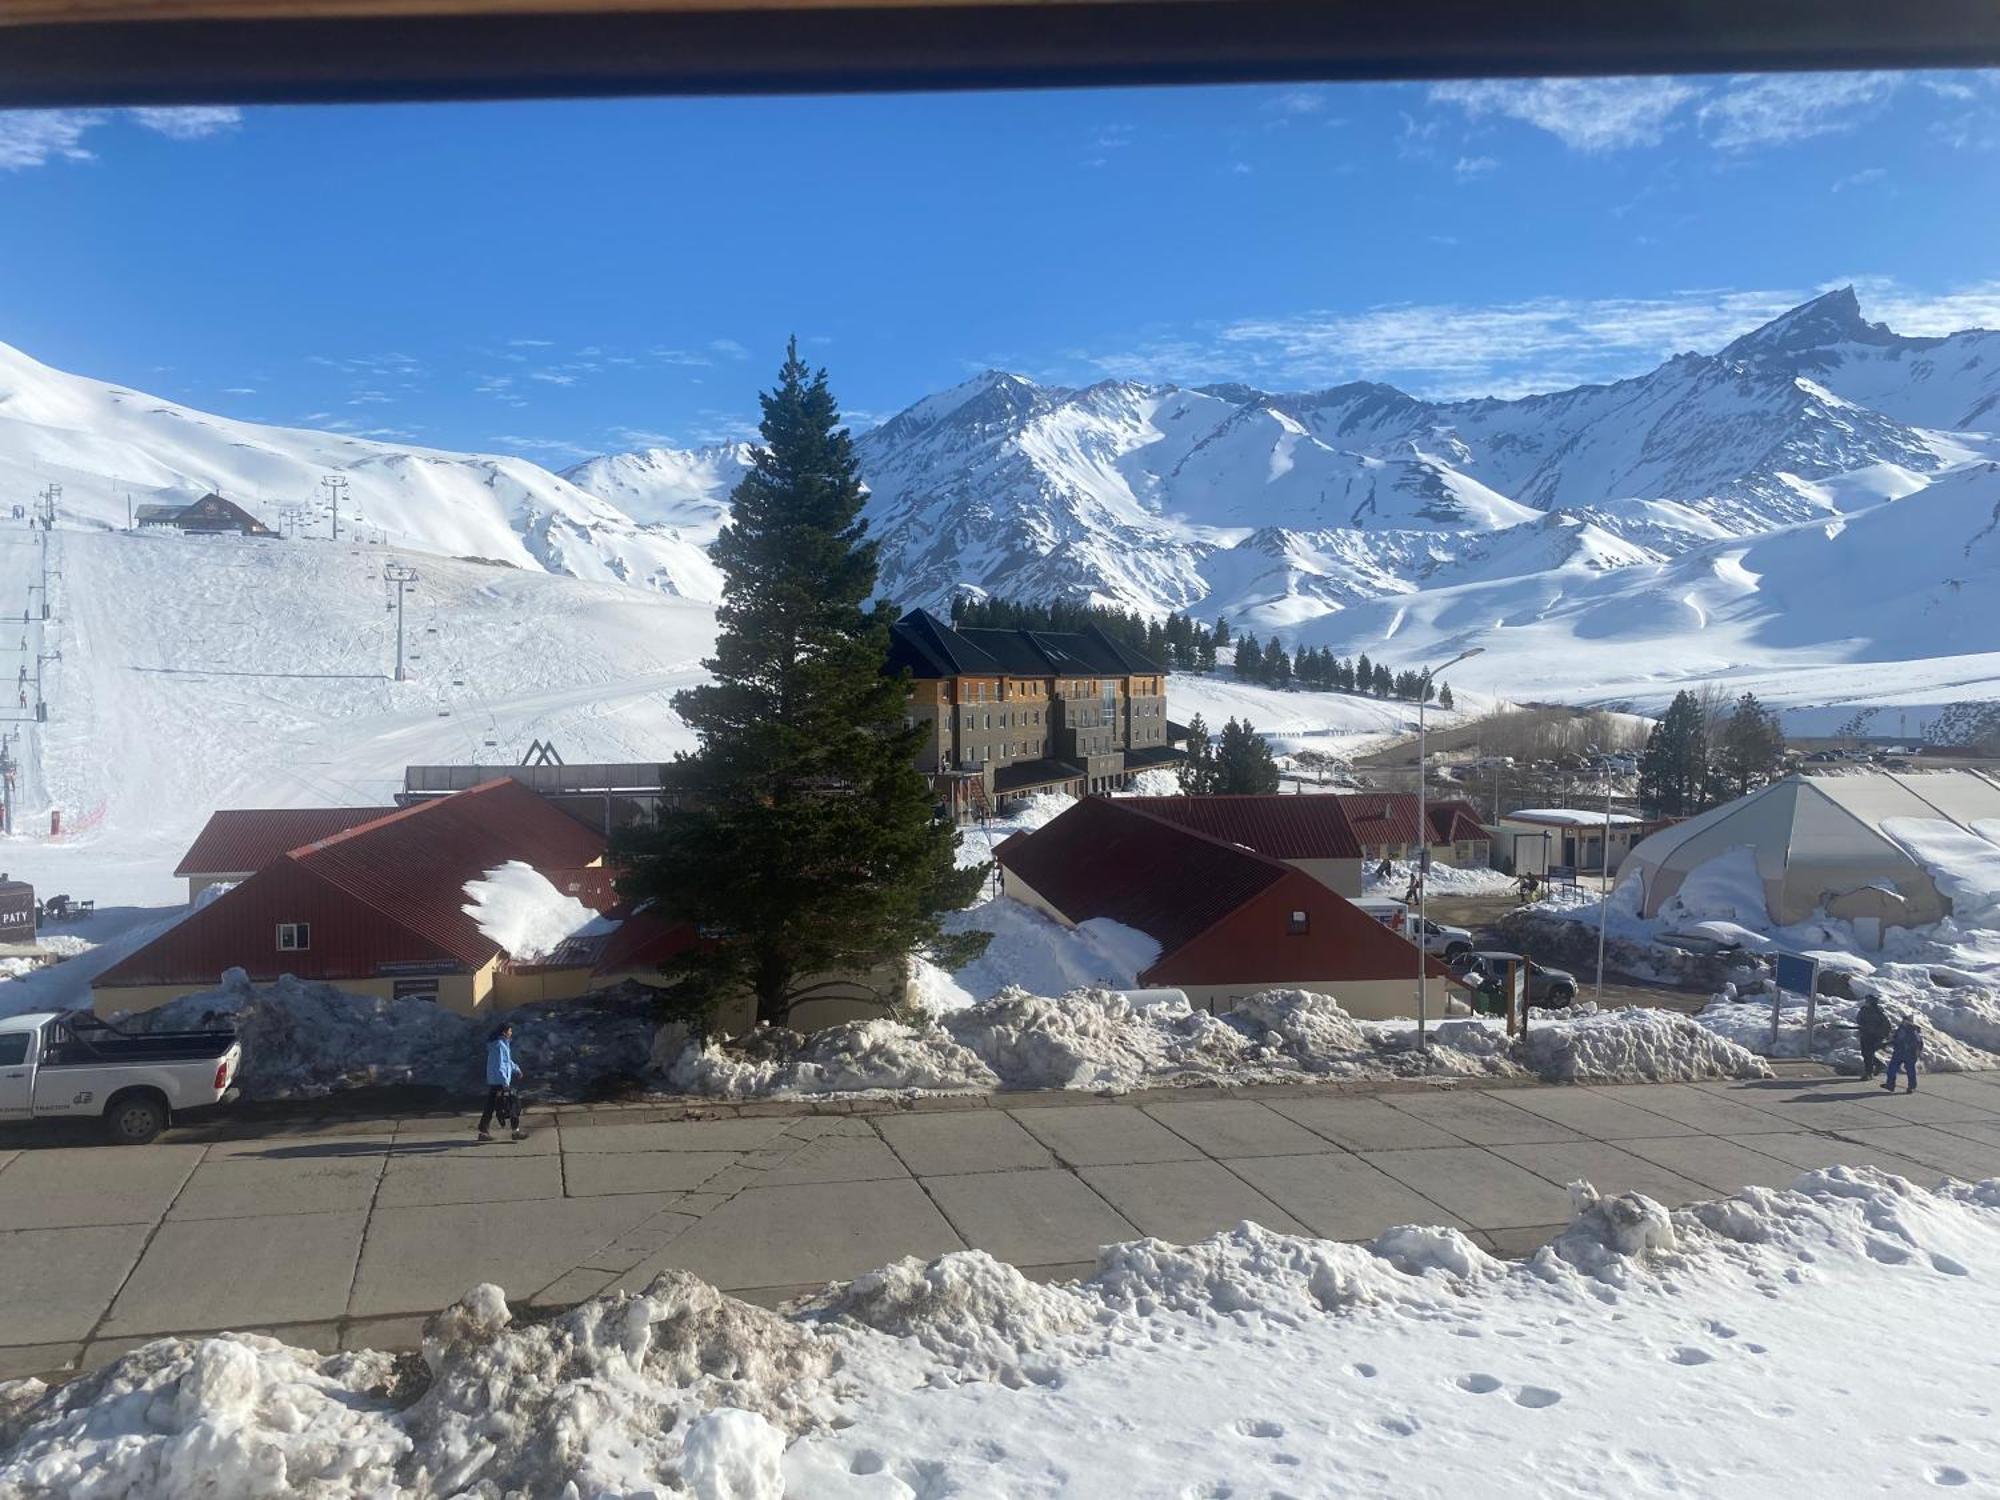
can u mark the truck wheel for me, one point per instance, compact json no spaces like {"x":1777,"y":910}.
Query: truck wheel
{"x":1561,"y":994}
{"x":135,"y":1119}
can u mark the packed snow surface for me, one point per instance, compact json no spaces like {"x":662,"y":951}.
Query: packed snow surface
{"x":1825,"y":1334}
{"x":515,"y":906}
{"x":1440,"y":880}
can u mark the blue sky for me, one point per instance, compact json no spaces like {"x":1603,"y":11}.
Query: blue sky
{"x":558,"y":279}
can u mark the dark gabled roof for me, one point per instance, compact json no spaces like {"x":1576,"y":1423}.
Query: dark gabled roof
{"x":1382,"y":817}
{"x":242,"y":840}
{"x":1276,"y":826}
{"x":1022,"y":774}
{"x":931,"y":648}
{"x":1455,"y":822}
{"x":1107,"y":858}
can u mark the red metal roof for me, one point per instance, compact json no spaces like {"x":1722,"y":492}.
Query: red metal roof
{"x":1455,"y":822}
{"x":1311,"y":827}
{"x":1108,"y":858}
{"x":242,"y":840}
{"x":390,"y":891}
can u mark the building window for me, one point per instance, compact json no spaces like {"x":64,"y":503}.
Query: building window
{"x":1297,"y":924}
{"x":294,"y":937}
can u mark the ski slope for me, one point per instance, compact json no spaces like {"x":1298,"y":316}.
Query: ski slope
{"x":199,"y":673}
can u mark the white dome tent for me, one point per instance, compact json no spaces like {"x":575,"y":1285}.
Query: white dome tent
{"x":1826,"y":843}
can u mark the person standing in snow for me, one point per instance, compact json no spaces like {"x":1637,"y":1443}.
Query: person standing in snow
{"x":501,"y":1072}
{"x":1871,"y":1025}
{"x":1905,"y":1046}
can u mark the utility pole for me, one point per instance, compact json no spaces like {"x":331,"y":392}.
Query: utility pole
{"x":1424,"y":856}
{"x":8,"y":768}
{"x":41,"y":704}
{"x":335,"y":486}
{"x":49,"y":497}
{"x":402,"y":577}
{"x":44,"y":584}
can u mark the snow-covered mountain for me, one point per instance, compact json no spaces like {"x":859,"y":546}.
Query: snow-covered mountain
{"x":104,"y":443}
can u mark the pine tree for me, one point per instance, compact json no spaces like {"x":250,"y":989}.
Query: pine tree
{"x":1199,"y":773}
{"x":1205,"y":658}
{"x":1673,"y":770}
{"x":1243,"y":761}
{"x":1221,"y":632}
{"x":1444,"y":695}
{"x":1753,"y":745}
{"x":1383,"y":686}
{"x":1364,"y":674}
{"x":806,"y":846}
{"x":1277,"y":666}
{"x":1249,"y":659}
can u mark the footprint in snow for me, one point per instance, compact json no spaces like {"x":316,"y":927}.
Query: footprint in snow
{"x":1687,"y":1354}
{"x":1536,"y":1396}
{"x":1401,"y":1426}
{"x":1478,"y":1385}
{"x":1252,"y":1428}
{"x":1364,"y":1371}
{"x":1945,"y":1474}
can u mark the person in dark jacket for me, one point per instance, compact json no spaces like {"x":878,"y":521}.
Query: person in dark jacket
{"x":501,"y":1073}
{"x":1871,"y":1024}
{"x":1906,"y":1045}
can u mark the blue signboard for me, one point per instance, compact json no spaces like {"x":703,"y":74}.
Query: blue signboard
{"x":1795,"y":973}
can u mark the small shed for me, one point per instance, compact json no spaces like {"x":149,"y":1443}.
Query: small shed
{"x":1535,"y":840}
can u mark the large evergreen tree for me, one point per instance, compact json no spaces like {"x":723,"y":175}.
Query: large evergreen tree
{"x":806,"y":845}
{"x":1249,"y":659}
{"x":1199,"y":773}
{"x":1753,"y":746}
{"x":1243,"y":761}
{"x":1673,"y":770}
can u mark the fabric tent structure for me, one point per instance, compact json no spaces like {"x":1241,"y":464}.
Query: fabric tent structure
{"x":1825,"y":843}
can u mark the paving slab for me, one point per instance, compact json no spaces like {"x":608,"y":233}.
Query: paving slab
{"x":238,"y":1273}
{"x":411,"y":1181}
{"x":429,"y":1138}
{"x":246,"y":1186}
{"x":643,"y":1242}
{"x":402,"y":1331}
{"x":417,"y":1260}
{"x":68,"y":1185}
{"x":1590,"y":1112}
{"x":572,"y":1287}
{"x":1184,"y":1201}
{"x":1521,"y":1240}
{"x":1935,"y":1146}
{"x":1363,"y":1124}
{"x":675,"y":1135}
{"x":1336,"y":1194}
{"x":1482,"y":1189}
{"x":948,"y":1145}
{"x":809,"y":1234}
{"x":1932,"y":1105}
{"x":1723,"y":1165}
{"x":1236,"y":1127}
{"x":1606,"y":1168}
{"x":20,"y":1361}
{"x":1034,"y":1218}
{"x":1105,"y":1135}
{"x":297,"y":1148}
{"x":590,"y":1174}
{"x":831,"y":1157}
{"x":1482,"y":1119}
{"x":1973,"y":1130}
{"x":1809,"y":1153}
{"x":56,"y":1283}
{"x":1839,"y":1104}
{"x":1707,"y":1109}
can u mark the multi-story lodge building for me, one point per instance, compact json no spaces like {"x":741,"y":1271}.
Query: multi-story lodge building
{"x":1019,"y":711}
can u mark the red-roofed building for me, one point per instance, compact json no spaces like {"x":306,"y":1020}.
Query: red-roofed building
{"x":1229,"y":921}
{"x":1385,"y":824}
{"x":238,"y":842}
{"x":1311,"y":833}
{"x":377,"y":908}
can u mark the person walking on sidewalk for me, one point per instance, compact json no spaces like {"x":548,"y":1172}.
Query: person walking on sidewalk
{"x":501,"y":1073}
{"x":1905,"y":1047}
{"x":1871,"y":1028}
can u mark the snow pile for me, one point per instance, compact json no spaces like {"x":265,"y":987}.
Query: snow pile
{"x":302,"y":1039}
{"x":1658,"y":1046}
{"x":1443,"y":880}
{"x":1205,"y":1369}
{"x":515,"y":906}
{"x":1105,"y":1040}
{"x":1036,"y":952}
{"x":1727,"y":887}
{"x":1960,"y":1025}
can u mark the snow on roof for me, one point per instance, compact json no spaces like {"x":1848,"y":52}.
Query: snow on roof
{"x":517,"y":907}
{"x":1571,"y":817}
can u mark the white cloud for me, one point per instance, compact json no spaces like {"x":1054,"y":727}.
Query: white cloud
{"x":33,"y":137}
{"x":1862,"y":178}
{"x":729,"y":348}
{"x":1241,"y":169}
{"x":1777,"y":110}
{"x":531,"y":343}
{"x":189,"y":123}
{"x":1300,"y":101}
{"x":553,"y":377}
{"x":544,"y":447}
{"x":239,"y":390}
{"x":1474,"y":166}
{"x":1586,"y":114}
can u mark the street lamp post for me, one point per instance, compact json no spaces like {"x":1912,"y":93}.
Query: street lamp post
{"x":1423,"y":854}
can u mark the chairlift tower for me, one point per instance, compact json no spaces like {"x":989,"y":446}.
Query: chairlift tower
{"x":402,"y":577}
{"x":335,"y":486}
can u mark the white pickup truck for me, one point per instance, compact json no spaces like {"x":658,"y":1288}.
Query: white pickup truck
{"x":72,"y":1063}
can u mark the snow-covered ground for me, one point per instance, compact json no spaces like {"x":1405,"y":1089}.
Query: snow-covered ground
{"x":1828,"y":1335}
{"x":1442,"y":880}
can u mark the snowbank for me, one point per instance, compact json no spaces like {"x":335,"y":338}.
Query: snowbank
{"x":304,"y":1039}
{"x":1101,"y":1039}
{"x":1443,"y":880}
{"x":515,"y":906}
{"x":1249,"y":1363}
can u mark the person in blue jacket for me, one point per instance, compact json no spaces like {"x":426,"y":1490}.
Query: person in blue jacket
{"x":501,"y":1072}
{"x":1906,"y":1045}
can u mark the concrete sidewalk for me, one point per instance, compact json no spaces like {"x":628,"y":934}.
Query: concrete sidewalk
{"x":350,"y":1235}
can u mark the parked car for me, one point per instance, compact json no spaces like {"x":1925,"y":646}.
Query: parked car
{"x":1449,"y":941}
{"x":1546,"y":986}
{"x":73,"y":1064}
